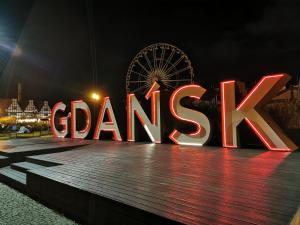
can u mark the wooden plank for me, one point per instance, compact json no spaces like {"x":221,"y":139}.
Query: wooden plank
{"x":35,"y":144}
{"x":14,"y":175}
{"x":186,"y":184}
{"x":24,"y":166}
{"x":168,"y":201}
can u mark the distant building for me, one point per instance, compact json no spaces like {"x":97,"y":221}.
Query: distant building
{"x":45,"y":111}
{"x":289,"y":94}
{"x":30,"y":110}
{"x":286,"y":107}
{"x":4,"y":105}
{"x":13,"y":108}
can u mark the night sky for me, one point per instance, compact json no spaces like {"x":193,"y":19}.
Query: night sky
{"x":223,"y":40}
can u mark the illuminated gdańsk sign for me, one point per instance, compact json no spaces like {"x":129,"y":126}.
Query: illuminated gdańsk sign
{"x":232,"y":113}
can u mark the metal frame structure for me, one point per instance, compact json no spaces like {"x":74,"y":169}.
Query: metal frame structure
{"x":160,"y":62}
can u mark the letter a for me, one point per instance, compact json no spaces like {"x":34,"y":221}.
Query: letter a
{"x":110,"y":125}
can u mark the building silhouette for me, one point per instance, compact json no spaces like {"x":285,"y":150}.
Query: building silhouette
{"x":25,"y":110}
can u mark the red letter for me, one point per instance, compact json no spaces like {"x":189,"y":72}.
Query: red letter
{"x":250,"y":110}
{"x":84,"y":107}
{"x":134,"y":108}
{"x":63,"y":121}
{"x":202,"y":133}
{"x":110,"y":125}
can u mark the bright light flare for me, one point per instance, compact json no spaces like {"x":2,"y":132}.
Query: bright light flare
{"x":95,"y":96}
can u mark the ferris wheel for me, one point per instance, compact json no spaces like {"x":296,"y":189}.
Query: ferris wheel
{"x":160,"y":62}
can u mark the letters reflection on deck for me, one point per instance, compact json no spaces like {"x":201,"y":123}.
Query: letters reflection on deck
{"x":127,"y":183}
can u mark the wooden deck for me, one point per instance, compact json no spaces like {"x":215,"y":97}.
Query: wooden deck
{"x":123,"y":183}
{"x":37,"y":144}
{"x":17,"y":149}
